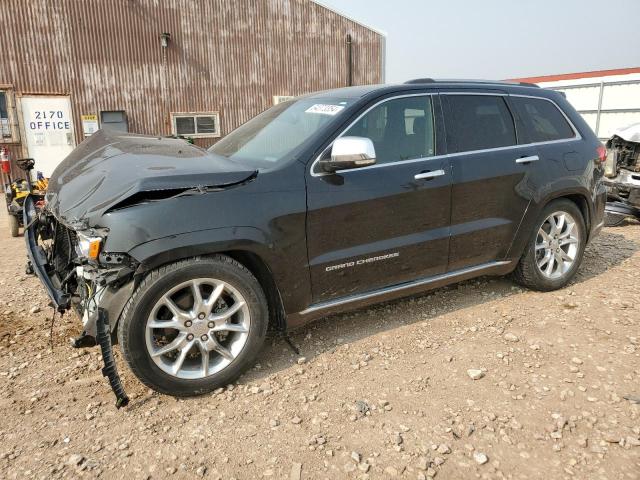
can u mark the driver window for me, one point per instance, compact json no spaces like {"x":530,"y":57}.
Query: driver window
{"x":400,"y":129}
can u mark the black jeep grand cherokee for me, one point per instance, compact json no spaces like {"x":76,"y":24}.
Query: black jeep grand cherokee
{"x":327,"y":202}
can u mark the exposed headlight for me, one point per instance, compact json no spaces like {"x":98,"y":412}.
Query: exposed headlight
{"x":611,"y":164}
{"x":88,"y":247}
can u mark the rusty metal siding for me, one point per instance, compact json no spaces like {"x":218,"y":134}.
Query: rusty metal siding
{"x":226,"y":56}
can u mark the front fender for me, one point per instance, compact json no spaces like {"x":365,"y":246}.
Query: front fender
{"x":289,"y":273}
{"x":169,"y":249}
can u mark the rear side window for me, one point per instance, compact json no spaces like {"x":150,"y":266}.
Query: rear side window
{"x":542,"y":120}
{"x":479,"y":122}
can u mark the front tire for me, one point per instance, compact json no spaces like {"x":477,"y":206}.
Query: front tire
{"x":554,"y":251}
{"x":194,"y":325}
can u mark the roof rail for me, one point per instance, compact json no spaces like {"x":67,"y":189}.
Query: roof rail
{"x":484,"y":82}
{"x":419,"y":80}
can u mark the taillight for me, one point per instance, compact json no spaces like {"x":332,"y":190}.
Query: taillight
{"x":602,"y":153}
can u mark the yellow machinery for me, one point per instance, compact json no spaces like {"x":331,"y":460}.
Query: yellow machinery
{"x":18,"y":190}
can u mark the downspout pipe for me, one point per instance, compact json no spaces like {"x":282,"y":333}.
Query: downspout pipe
{"x":349,"y":60}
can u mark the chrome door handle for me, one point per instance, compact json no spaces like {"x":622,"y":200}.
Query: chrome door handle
{"x":532,"y":158}
{"x":432,"y":174}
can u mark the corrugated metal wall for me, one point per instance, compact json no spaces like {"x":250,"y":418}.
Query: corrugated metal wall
{"x":229,"y":56}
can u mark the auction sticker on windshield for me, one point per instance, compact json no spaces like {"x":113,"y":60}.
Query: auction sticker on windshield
{"x":324,"y":109}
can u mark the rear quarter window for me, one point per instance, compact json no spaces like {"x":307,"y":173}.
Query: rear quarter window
{"x":542,"y":120}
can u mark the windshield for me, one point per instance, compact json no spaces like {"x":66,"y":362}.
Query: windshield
{"x":271,"y":136}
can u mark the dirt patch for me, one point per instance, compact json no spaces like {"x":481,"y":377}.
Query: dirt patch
{"x":386,"y":392}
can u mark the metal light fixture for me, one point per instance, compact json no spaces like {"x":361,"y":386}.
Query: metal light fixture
{"x":164,"y":39}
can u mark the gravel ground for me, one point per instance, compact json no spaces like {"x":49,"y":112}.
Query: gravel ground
{"x":478,"y":380}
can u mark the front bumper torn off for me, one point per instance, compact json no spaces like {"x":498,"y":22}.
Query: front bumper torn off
{"x":61,"y":301}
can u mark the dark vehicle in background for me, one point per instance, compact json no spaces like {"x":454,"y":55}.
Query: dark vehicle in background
{"x":325,"y":203}
{"x":622,"y":175}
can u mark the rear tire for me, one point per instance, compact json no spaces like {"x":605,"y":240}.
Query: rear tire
{"x":203,"y":346}
{"x":14,"y":225}
{"x":552,"y":256}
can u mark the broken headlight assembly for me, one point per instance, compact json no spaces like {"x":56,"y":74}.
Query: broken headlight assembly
{"x":88,"y":246}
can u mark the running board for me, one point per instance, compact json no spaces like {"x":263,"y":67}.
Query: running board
{"x":444,"y":277}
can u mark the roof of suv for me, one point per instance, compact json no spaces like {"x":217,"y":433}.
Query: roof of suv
{"x":421,"y":83}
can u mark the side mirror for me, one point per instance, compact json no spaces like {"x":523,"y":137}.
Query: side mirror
{"x":348,"y":153}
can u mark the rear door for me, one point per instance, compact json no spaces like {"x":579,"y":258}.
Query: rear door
{"x":491,"y":181}
{"x":48,"y":128}
{"x":388,"y":223}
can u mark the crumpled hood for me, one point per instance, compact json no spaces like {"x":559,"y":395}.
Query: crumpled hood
{"x":630,"y":133}
{"x":110,"y":167}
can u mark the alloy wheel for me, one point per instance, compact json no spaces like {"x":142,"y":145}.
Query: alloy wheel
{"x":557,"y":245}
{"x":197,"y":328}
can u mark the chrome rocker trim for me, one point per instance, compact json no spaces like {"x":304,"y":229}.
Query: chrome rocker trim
{"x":403,"y":286}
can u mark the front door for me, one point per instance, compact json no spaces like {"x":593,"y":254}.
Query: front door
{"x":48,"y":129}
{"x":388,"y":223}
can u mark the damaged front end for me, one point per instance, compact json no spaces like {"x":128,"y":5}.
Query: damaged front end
{"x":622,"y":175}
{"x":76,"y":272}
{"x":78,"y":245}
{"x":113,"y":193}
{"x":79,"y":276}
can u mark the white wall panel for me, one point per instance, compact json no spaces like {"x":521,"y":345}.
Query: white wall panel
{"x":621,"y":96}
{"x":609,"y":122}
{"x":583,"y":98}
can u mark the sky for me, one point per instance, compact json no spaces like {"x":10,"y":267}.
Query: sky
{"x":500,"y":39}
